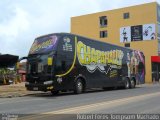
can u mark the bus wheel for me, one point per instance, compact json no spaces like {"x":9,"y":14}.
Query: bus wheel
{"x":78,"y":86}
{"x":133,"y":83}
{"x":54,"y":92}
{"x":126,"y":83}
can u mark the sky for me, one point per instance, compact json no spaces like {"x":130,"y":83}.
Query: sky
{"x":21,"y":21}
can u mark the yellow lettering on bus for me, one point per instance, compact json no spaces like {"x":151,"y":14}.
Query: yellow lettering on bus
{"x":87,"y":55}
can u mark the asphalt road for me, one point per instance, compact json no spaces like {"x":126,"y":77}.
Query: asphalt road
{"x":141,"y":100}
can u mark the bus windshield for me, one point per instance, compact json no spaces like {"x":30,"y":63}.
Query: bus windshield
{"x":37,"y":63}
{"x":44,"y":44}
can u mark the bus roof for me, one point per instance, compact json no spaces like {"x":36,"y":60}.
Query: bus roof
{"x":62,"y":34}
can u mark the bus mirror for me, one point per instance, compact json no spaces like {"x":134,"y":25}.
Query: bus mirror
{"x":17,"y":65}
{"x":49,"y":61}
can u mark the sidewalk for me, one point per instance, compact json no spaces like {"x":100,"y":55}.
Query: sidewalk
{"x":15,"y":90}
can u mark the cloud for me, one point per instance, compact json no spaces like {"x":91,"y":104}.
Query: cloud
{"x":15,"y":25}
{"x":23,"y":22}
{"x":12,"y":28}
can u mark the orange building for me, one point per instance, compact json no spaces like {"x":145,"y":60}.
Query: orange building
{"x":136,"y":27}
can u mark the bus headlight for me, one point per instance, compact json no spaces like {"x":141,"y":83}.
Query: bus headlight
{"x":48,"y":82}
{"x":26,"y":83}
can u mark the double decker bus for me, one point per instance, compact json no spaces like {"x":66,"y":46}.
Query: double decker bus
{"x":68,"y":62}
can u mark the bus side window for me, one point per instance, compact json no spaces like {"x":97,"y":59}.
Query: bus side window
{"x":63,"y":65}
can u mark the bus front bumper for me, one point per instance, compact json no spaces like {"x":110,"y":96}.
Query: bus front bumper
{"x":39,"y":87}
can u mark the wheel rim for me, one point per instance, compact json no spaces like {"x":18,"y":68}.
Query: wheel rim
{"x":79,"y":86}
{"x":127,"y":84}
{"x":132,"y":83}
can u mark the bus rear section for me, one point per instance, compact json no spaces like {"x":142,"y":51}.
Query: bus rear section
{"x":104,"y":65}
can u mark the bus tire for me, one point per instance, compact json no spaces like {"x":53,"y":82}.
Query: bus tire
{"x":133,"y":83}
{"x":79,"y":86}
{"x":127,"y":83}
{"x":54,"y":92}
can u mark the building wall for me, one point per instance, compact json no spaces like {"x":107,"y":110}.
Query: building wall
{"x":88,"y":25}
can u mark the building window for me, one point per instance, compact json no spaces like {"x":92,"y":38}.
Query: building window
{"x":103,"y":34}
{"x":126,"y":15}
{"x":103,"y":21}
{"x":127,"y":45}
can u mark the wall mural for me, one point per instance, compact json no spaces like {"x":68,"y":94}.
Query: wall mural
{"x":125,"y":34}
{"x":138,"y":33}
{"x":149,"y":32}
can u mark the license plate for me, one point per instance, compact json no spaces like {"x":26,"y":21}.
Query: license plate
{"x":35,"y":88}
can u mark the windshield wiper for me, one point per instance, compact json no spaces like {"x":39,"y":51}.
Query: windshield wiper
{"x":47,"y":53}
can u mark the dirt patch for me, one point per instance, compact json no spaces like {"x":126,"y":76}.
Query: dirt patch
{"x":15,"y":90}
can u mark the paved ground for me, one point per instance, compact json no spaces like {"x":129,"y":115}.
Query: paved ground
{"x":143,"y":99}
